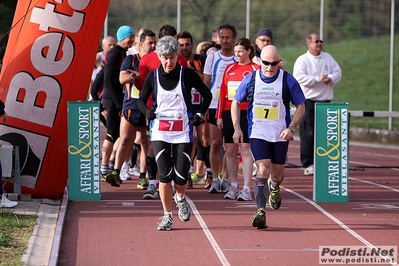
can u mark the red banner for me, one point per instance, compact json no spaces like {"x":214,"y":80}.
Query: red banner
{"x":48,"y":61}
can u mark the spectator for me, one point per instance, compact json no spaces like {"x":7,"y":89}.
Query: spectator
{"x":5,"y":202}
{"x":316,"y":72}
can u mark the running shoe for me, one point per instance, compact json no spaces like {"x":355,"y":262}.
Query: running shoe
{"x":232,"y":193}
{"x":245,"y":195}
{"x":259,"y":219}
{"x":6,"y":203}
{"x":103,"y":177}
{"x":134,"y":171}
{"x":166,"y":224}
{"x":151,"y":193}
{"x":274,"y":196}
{"x":113,"y":178}
{"x":184,"y":209}
{"x":142,"y":183}
{"x":124,"y":174}
{"x":215,"y":187}
{"x":309,"y":170}
{"x":224,"y":185}
{"x":197,"y":179}
{"x":208,"y":181}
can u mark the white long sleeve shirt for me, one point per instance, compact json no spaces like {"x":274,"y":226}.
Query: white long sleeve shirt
{"x":308,"y":68}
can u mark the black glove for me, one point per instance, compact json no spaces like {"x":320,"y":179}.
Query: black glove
{"x":196,"y":120}
{"x":150,"y":115}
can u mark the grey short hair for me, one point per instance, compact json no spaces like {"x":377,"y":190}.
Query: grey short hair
{"x":167,"y":45}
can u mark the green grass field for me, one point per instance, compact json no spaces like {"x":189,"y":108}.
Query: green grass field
{"x":365,"y":77}
{"x":15,"y":231}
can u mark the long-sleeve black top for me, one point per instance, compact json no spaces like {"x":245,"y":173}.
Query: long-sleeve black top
{"x":112,"y":87}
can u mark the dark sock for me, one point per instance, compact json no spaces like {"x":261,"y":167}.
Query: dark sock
{"x":260,"y":191}
{"x":135,"y":152}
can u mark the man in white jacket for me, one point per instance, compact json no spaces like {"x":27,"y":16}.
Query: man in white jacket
{"x":317,"y":72}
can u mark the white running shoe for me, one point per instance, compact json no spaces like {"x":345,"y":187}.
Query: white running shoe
{"x":124,"y":174}
{"x":215,"y":187}
{"x":224,"y":185}
{"x":245,"y":195}
{"x":232,"y":193}
{"x":134,"y":171}
{"x":309,"y":170}
{"x":6,"y":203}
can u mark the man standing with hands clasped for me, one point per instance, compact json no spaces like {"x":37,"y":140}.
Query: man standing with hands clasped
{"x":270,"y":128}
{"x":316,"y":72}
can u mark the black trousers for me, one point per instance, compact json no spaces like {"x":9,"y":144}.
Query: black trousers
{"x":306,"y":132}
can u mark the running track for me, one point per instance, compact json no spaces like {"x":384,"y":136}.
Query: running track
{"x":121,"y":228}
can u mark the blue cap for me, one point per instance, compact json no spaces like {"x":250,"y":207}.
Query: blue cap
{"x":123,"y":32}
{"x":265,"y":32}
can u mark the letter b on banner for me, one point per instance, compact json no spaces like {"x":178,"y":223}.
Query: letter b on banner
{"x":84,"y":150}
{"x":330,"y":179}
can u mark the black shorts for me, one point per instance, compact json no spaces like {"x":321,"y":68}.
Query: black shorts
{"x":134,"y":117}
{"x":212,"y":116}
{"x":275,"y":151}
{"x":228,"y":128}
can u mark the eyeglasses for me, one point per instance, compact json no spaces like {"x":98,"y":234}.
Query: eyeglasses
{"x":267,"y":63}
{"x":318,"y":41}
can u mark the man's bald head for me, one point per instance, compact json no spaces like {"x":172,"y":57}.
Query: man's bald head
{"x":270,"y":57}
{"x":270,"y":53}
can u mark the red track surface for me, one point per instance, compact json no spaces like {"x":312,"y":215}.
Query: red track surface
{"x":121,"y":228}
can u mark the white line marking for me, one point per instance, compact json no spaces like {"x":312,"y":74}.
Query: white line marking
{"x":375,"y":184}
{"x":208,"y":233}
{"x":337,"y":221}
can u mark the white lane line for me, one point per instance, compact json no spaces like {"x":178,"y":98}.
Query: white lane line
{"x":337,"y":221}
{"x":375,"y":184}
{"x":208,"y":233}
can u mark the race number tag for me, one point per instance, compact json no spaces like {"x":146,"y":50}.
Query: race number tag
{"x":217,"y":96}
{"x":232,"y":87}
{"x":171,"y":122}
{"x":171,"y":125}
{"x":134,"y":93}
{"x":267,"y":111}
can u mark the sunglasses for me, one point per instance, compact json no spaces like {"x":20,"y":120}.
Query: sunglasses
{"x":318,"y":41}
{"x":267,"y":63}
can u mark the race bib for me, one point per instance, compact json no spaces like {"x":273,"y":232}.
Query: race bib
{"x":171,"y":122}
{"x":266,"y":111}
{"x":171,"y":125}
{"x":134,"y":92}
{"x":232,"y":87}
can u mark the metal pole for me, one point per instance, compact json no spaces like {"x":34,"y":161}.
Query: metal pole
{"x":248,"y":19}
{"x":178,"y":15}
{"x":321,"y":19}
{"x":17,"y":172}
{"x":106,"y":26}
{"x":392,"y":45}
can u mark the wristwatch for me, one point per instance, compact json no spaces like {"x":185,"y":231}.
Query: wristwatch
{"x":200,"y":115}
{"x":291,"y":128}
